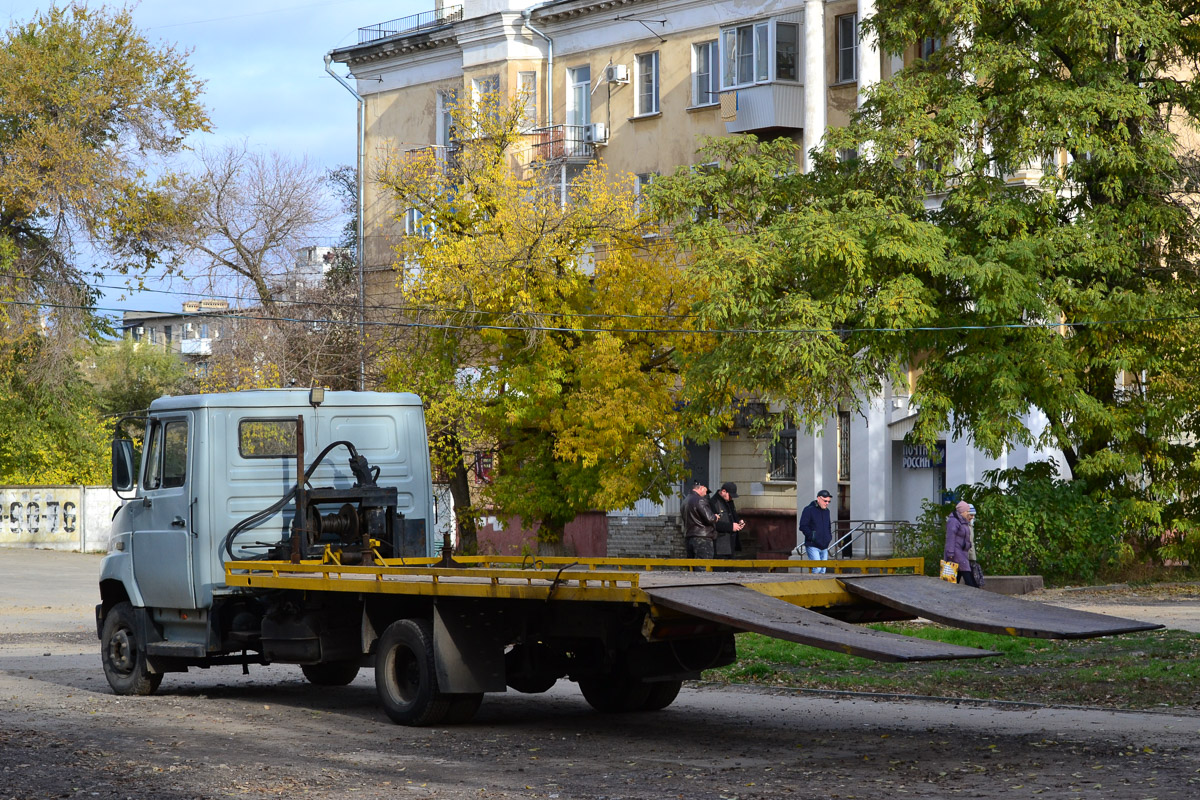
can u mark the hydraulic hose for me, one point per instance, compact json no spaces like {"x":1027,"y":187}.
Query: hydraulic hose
{"x":257,"y":518}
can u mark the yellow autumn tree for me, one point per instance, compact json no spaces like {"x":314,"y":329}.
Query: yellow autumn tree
{"x":542,"y":329}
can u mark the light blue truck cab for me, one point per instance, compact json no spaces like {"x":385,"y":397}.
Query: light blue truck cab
{"x":213,"y":486}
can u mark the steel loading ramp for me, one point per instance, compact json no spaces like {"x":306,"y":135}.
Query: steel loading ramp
{"x":749,"y":610}
{"x":961,"y":606}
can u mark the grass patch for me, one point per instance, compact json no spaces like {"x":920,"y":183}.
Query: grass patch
{"x":1155,"y":669}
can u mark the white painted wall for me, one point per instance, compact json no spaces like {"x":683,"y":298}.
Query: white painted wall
{"x":57,"y":517}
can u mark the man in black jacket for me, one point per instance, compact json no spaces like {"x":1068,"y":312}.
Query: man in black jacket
{"x":729,"y":523}
{"x":698,"y":523}
{"x":814,"y":524}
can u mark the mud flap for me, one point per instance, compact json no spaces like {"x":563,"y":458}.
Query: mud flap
{"x":962,"y":606}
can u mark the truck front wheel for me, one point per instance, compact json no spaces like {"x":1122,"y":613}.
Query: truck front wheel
{"x":405,"y":677}
{"x":124,"y":654}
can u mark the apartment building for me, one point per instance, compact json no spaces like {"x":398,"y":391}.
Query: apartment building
{"x":189,"y":332}
{"x":636,"y":84}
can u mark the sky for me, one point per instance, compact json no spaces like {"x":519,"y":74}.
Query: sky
{"x":263,"y":65}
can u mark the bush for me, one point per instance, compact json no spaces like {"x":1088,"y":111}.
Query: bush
{"x":1029,"y":522}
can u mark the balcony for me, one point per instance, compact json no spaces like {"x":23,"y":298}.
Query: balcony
{"x":426,"y":20}
{"x":564,"y":143}
{"x":437,"y":159}
{"x":769,"y":105}
{"x":196,"y":347}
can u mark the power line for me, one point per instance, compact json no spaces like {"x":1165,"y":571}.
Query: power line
{"x":684,"y":331}
{"x":373,"y":307}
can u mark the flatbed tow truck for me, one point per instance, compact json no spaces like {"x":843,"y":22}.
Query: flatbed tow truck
{"x":231,"y":551}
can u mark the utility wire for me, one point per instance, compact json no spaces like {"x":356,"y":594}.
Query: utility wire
{"x":688,"y":331}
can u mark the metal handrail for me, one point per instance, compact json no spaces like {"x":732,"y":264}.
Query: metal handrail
{"x":410,"y":24}
{"x":862,"y":530}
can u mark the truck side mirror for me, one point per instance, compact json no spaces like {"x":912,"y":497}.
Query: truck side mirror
{"x":122,"y":465}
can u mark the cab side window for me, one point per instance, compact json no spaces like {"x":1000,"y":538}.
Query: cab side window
{"x":166,"y":456}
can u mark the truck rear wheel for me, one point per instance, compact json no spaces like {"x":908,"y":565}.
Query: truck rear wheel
{"x":331,"y":673}
{"x":662,"y":694}
{"x":615,"y":693}
{"x":405,"y":677}
{"x":124,"y":654}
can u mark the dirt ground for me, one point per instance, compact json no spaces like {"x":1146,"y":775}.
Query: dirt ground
{"x":217,"y":733}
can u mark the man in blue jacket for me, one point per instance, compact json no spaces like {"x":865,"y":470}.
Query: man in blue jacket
{"x":814,"y":524}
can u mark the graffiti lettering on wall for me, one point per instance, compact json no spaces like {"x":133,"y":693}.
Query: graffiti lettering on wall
{"x":39,"y":514}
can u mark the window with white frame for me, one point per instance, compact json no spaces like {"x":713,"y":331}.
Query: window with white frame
{"x":527,"y":90}
{"x":488,"y":84}
{"x":847,"y":44}
{"x":757,"y":52}
{"x":415,"y":223}
{"x":744,"y":54}
{"x":647,"y":84}
{"x":445,"y":118}
{"x":485,"y":93}
{"x":644,"y":179}
{"x":705,"y":86}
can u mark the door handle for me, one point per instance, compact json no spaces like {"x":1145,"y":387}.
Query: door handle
{"x":178,"y":522}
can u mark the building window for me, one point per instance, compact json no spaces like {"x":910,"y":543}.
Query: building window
{"x":847,"y":43}
{"x":415,"y":223}
{"x":489,"y":85}
{"x":644,"y":179}
{"x":744,"y":60}
{"x":752,"y":53}
{"x":783,"y":456}
{"x":787,"y":46}
{"x":445,"y":117}
{"x":843,"y":446}
{"x":704,"y":74}
{"x":527,"y":90}
{"x":647,"y":83}
{"x":930,"y":45}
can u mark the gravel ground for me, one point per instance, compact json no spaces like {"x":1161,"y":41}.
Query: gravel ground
{"x":216,"y":733}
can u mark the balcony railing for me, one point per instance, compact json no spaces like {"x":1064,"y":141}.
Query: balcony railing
{"x":559,"y":142}
{"x":438,"y":158}
{"x":410,"y":24}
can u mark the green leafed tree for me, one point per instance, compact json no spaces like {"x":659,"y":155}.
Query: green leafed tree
{"x":1095,"y":106}
{"x":91,"y":112}
{"x":128,"y":375}
{"x":1040,"y":170}
{"x":547,"y":327}
{"x":793,"y":265}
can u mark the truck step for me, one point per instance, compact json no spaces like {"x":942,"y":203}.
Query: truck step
{"x":176,"y":649}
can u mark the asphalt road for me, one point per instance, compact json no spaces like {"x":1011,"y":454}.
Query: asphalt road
{"x":216,"y":733}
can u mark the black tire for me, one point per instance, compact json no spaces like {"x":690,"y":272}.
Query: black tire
{"x":462,"y":708}
{"x":124,"y":654}
{"x":405,"y":677}
{"x":616,"y":693}
{"x":331,"y":673}
{"x":662,"y":694}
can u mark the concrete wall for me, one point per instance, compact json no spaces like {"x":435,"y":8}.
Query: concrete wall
{"x":57,"y":517}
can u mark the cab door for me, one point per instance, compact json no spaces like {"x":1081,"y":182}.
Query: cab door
{"x":162,"y":518}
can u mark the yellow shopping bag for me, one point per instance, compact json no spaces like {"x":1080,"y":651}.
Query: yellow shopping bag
{"x":949,"y":571}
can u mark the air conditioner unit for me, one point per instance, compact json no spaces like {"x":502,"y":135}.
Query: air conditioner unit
{"x":596,"y":133}
{"x":616,"y":73}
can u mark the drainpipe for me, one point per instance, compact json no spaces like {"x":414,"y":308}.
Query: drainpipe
{"x":549,"y":66}
{"x":360,"y":176}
